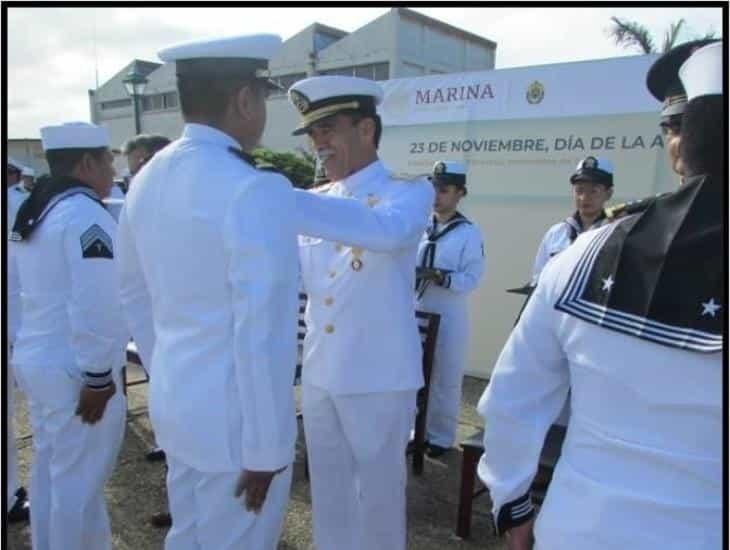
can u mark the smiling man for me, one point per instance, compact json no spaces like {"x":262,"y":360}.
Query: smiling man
{"x":362,"y":352}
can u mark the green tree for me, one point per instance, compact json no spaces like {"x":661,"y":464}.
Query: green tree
{"x":631,"y":34}
{"x":299,"y":168}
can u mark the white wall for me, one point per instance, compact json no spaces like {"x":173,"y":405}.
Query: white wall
{"x":515,"y":197}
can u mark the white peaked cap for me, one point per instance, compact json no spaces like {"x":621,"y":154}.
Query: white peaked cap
{"x":701,"y":74}
{"x":74,"y":135}
{"x":450,"y":167}
{"x":249,"y":46}
{"x":27,"y":171}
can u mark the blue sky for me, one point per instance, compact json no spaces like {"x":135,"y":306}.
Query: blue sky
{"x":55,"y":54}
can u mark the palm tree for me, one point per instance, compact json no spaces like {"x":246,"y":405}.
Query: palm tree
{"x":632,"y":34}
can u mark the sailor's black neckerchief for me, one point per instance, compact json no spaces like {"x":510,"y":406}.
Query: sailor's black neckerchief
{"x":658,"y":275}
{"x":433,"y":234}
{"x":42,"y":200}
{"x":575,"y":224}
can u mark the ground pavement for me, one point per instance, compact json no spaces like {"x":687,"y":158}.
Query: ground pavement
{"x":136,"y":489}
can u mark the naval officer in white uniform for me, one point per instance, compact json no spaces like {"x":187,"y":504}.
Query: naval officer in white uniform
{"x":631,"y":318}
{"x":69,"y":348}
{"x":450,"y":266}
{"x":362,"y":351}
{"x":208,"y":263}
{"x":17,"y":501}
{"x":592,"y":186}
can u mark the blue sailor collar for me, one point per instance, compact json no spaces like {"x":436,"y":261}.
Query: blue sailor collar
{"x":208,"y":134}
{"x":658,"y":275}
{"x":43,"y":199}
{"x":365,"y":179}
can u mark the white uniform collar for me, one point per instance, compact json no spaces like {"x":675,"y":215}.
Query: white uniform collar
{"x":202,"y":132}
{"x":373,"y":172}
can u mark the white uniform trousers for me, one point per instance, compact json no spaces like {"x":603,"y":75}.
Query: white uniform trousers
{"x":72,"y":461}
{"x":356,"y":448}
{"x":11,"y":448}
{"x":447,"y":375}
{"x":206,"y":515}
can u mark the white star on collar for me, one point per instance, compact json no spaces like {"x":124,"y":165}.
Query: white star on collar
{"x":710,"y":307}
{"x":607,"y":283}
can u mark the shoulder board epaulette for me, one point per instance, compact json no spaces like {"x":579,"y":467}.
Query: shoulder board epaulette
{"x":631,"y":207}
{"x":322,"y":188}
{"x":266,"y":167}
{"x":404,"y":176}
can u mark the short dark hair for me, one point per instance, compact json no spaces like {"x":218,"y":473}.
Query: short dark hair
{"x":61,"y":162}
{"x":357,"y":116}
{"x":208,"y":98}
{"x":151,"y":143}
{"x":702,"y":142}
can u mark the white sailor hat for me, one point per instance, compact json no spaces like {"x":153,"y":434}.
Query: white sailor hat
{"x":701,"y":74}
{"x":596,"y":169}
{"x":449,"y":172}
{"x":15,"y":164}
{"x":74,"y":135}
{"x":241,"y":55}
{"x":27,"y":171}
{"x":319,"y":97}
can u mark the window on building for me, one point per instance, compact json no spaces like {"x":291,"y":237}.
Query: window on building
{"x":170,"y":100}
{"x":380,"y":71}
{"x":322,"y":40}
{"x":116,"y":104}
{"x":373,"y":71}
{"x":159,"y":102}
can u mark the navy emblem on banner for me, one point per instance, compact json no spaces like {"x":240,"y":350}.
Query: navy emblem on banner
{"x":535,"y":93}
{"x":96,"y":243}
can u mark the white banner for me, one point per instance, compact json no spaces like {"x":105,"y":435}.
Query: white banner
{"x":584,"y":88}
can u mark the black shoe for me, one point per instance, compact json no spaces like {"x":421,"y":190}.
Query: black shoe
{"x":20,"y":511}
{"x":161,"y":520}
{"x":155,"y":455}
{"x":435,"y":451}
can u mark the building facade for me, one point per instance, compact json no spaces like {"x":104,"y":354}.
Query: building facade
{"x":399,"y":44}
{"x":29,"y":152}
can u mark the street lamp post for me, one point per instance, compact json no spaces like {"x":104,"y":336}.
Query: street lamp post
{"x":135,"y":84}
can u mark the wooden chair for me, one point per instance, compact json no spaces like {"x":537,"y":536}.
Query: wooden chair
{"x":473,"y":447}
{"x":428,"y":327}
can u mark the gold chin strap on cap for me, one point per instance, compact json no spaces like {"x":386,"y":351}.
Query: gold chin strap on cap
{"x":672,"y":99}
{"x":328,"y":110}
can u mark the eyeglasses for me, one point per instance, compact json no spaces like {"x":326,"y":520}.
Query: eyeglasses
{"x":671,"y":125}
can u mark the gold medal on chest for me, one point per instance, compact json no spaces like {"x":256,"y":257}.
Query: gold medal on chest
{"x":356,"y":262}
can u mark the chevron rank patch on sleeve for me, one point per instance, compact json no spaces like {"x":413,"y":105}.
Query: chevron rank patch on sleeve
{"x":96,"y":243}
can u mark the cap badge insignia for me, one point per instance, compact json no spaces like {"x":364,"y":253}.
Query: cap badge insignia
{"x":439,"y":168}
{"x":299,"y":100}
{"x":589,"y":163}
{"x":535,"y":93}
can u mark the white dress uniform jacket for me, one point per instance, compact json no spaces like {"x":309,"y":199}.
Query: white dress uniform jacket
{"x":72,"y":329}
{"x":15,"y":194}
{"x":559,"y":237}
{"x":641,"y":462}
{"x":460,"y":252}
{"x":14,"y":319}
{"x":208,"y":264}
{"x":362,"y":353}
{"x":362,"y":334}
